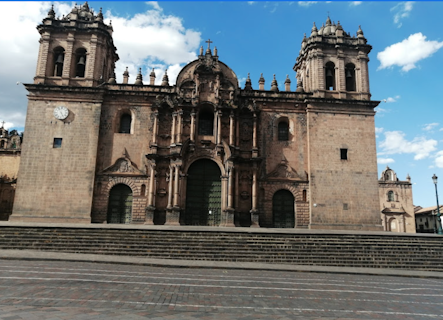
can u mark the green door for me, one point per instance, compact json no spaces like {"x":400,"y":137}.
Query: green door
{"x":120,"y":204}
{"x":283,"y":215}
{"x":203,"y":194}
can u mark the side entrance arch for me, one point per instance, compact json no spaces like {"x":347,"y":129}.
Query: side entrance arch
{"x":120,"y":204}
{"x":283,"y":213}
{"x":203,"y":194}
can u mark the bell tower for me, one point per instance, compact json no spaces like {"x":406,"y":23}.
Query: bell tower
{"x":334,"y":64}
{"x":75,"y":50}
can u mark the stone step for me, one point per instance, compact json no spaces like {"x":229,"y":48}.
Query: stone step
{"x":355,"y":250}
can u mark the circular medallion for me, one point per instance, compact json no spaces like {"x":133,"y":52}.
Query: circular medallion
{"x":61,"y":112}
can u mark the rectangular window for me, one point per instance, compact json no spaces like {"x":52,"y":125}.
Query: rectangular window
{"x":345,"y":206}
{"x":57,"y":143}
{"x":344,"y":154}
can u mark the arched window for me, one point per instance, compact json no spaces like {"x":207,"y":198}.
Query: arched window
{"x":80,"y":63}
{"x":125,"y":123}
{"x":330,"y":75}
{"x":59,"y":58}
{"x":206,"y":123}
{"x":283,"y":131}
{"x":391,"y":196}
{"x":350,"y":77}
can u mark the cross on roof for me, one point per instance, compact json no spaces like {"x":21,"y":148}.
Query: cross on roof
{"x":3,"y":124}
{"x":209,"y":43}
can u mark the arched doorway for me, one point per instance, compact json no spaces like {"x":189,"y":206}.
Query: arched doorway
{"x":120,"y":204}
{"x":203,"y":194}
{"x":283,"y":213}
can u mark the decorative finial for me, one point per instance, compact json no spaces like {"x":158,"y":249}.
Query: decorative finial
{"x":165,"y":80}
{"x":248,"y":84}
{"x":360,"y":33}
{"x":51,"y":12}
{"x":287,"y":79}
{"x":274,"y":85}
{"x":201,"y":50}
{"x":139,"y":79}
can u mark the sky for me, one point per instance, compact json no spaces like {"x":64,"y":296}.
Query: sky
{"x":405,"y":68}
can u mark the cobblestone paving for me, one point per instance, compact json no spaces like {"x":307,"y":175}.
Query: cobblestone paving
{"x":68,"y":290}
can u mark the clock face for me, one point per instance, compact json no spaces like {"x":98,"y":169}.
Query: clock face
{"x":61,"y":113}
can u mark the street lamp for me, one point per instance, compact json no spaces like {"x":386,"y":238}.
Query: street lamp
{"x":440,"y":231}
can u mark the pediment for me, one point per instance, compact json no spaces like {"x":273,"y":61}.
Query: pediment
{"x":283,"y":171}
{"x":123,"y":166}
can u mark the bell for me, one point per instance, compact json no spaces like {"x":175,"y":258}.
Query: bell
{"x":59,"y":59}
{"x":329,"y":73}
{"x":81,"y":60}
{"x":348,"y":73}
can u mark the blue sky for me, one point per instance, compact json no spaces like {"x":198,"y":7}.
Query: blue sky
{"x":406,"y":69}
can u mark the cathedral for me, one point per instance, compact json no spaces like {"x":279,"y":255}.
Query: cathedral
{"x":205,"y":151}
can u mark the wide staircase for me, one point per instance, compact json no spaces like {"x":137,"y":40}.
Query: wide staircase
{"x":299,"y":247}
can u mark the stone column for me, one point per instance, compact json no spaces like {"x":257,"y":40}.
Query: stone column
{"x":173,"y":213}
{"x":67,"y":62}
{"x":174,"y":118}
{"x":91,"y":66}
{"x":151,"y":207}
{"x":155,"y":129}
{"x":219,"y":114}
{"x":254,"y":211}
{"x":176,"y":191}
{"x":231,"y":128}
{"x":170,"y":191}
{"x":320,"y":73}
{"x":254,"y":138}
{"x":237,"y":137}
{"x":227,"y":216}
{"x":230,"y":188}
{"x":44,"y":57}
{"x":192,"y":136}
{"x":179,"y":130}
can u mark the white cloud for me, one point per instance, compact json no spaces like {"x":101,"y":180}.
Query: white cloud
{"x":6,"y":125}
{"x":251,"y":2}
{"x":155,"y":5}
{"x":378,"y":130}
{"x":402,"y":11}
{"x":169,"y":45}
{"x":20,"y":58}
{"x":381,"y":110}
{"x":306,"y":3}
{"x":395,"y":143}
{"x":385,"y":160}
{"x":439,"y":159}
{"x":179,"y":48}
{"x":391,"y":99}
{"x":355,"y":3}
{"x":407,"y":53}
{"x":430,"y":126}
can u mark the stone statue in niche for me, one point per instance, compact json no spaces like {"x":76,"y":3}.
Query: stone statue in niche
{"x":124,"y":166}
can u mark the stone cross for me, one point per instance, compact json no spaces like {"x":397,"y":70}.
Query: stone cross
{"x":209,"y":43}
{"x":3,"y":124}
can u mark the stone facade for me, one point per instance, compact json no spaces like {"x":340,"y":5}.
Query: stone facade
{"x":204,"y":151}
{"x":10,"y":149}
{"x":396,"y":204}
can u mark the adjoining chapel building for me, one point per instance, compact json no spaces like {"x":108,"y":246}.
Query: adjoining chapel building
{"x":204,"y":151}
